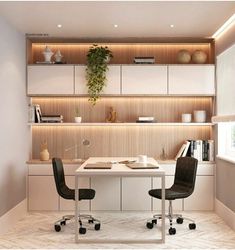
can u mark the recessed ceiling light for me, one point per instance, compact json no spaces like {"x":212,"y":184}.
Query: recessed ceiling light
{"x":59,"y":25}
{"x":115,"y":25}
{"x":172,"y":25}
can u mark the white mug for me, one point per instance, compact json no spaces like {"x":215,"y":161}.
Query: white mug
{"x":142,"y":158}
{"x":186,"y":117}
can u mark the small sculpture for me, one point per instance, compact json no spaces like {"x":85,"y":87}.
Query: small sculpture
{"x":44,"y":154}
{"x":58,"y":56}
{"x":112,"y":117}
{"x":47,"y":54}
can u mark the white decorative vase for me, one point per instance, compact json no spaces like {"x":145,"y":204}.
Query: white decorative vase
{"x":199,"y":115}
{"x":78,"y":119}
{"x":186,"y":118}
{"x":47,"y":54}
{"x":58,"y":57}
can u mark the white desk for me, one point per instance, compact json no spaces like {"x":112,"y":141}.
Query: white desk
{"x":118,"y":170}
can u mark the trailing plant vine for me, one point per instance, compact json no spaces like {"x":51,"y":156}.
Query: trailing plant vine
{"x":97,"y":66}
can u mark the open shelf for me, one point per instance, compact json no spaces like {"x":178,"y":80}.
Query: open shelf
{"x":122,"y":124}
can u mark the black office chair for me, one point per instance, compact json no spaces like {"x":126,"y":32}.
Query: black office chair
{"x":65,"y":192}
{"x":183,"y":187}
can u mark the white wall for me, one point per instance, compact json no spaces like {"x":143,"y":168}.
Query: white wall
{"x":14,"y":133}
{"x":226,"y":82}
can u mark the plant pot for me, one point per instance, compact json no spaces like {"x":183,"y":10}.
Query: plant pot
{"x":78,"y":119}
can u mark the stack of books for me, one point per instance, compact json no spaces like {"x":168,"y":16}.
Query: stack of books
{"x":202,"y":150}
{"x":144,"y":60}
{"x":52,"y":118}
{"x":145,"y":119}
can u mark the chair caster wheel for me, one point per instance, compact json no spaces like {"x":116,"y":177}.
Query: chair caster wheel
{"x":179,"y":220}
{"x":57,"y":228}
{"x":192,"y":226}
{"x":82,"y":230}
{"x":149,"y":225}
{"x":90,"y":221}
{"x":63,"y":223}
{"x":172,"y":231}
{"x":154,"y":221}
{"x":97,"y":227}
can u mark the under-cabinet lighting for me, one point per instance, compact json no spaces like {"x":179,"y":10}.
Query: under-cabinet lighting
{"x":228,"y":24}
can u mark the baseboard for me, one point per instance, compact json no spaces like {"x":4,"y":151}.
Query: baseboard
{"x":9,"y":219}
{"x":225,"y":213}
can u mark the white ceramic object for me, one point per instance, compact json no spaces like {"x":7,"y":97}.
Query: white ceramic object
{"x":78,"y":119}
{"x":47,"y":54}
{"x":58,"y":56}
{"x":199,"y":115}
{"x":142,"y":158}
{"x":186,"y":117}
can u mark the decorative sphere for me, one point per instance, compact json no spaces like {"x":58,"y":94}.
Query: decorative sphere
{"x":199,"y":56}
{"x":183,"y":56}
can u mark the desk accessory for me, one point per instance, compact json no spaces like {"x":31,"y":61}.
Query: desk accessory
{"x":142,"y":166}
{"x":99,"y":165}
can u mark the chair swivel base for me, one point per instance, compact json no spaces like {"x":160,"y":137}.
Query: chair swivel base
{"x":179,"y":220}
{"x":82,"y":230}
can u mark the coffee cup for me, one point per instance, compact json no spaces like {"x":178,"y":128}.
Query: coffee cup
{"x":142,"y":158}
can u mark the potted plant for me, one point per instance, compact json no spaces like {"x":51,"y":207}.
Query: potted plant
{"x":77,"y":117}
{"x":97,"y":66}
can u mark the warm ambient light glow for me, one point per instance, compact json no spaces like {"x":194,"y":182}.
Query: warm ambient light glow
{"x":172,"y":25}
{"x":228,"y":24}
{"x":115,"y":25}
{"x":59,"y":25}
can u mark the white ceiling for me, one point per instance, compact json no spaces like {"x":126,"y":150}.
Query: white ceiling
{"x":135,"y":19}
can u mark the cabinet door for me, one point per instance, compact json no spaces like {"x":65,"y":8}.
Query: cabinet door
{"x":135,"y":193}
{"x":42,"y":194}
{"x":177,"y":204}
{"x":107,"y":193}
{"x":70,"y":204}
{"x":113,"y":84}
{"x":203,"y":195}
{"x":144,"y":79}
{"x":50,"y":80}
{"x":192,"y":79}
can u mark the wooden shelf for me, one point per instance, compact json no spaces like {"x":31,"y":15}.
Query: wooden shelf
{"x":121,"y":124}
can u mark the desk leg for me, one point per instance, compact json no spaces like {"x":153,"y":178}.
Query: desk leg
{"x":163,"y":208}
{"x":76,"y":208}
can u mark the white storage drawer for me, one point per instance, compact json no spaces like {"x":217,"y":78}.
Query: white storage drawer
{"x":144,"y":79}
{"x":192,"y":79}
{"x":50,"y":80}
{"x":113,"y":84}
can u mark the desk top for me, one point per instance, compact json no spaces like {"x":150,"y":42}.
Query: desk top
{"x":118,"y":169}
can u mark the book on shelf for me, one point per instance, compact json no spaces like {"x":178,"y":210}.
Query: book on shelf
{"x":202,"y":150}
{"x":38,"y":113}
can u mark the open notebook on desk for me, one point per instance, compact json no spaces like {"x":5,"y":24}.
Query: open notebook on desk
{"x":141,"y":166}
{"x":99,"y":165}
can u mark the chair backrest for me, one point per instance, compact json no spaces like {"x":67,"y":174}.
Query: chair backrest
{"x":185,"y":173}
{"x":58,"y":171}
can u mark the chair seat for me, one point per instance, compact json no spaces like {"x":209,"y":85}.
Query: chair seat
{"x":84,"y":193}
{"x":175,"y":192}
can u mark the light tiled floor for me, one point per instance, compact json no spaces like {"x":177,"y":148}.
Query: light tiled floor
{"x":36,"y":231}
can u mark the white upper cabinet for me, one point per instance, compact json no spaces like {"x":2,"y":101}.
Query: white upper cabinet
{"x":192,"y":79}
{"x":50,"y":80}
{"x":144,"y":79}
{"x":113,"y":84}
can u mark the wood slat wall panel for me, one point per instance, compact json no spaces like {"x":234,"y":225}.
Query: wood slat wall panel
{"x":165,"y":53}
{"x":164,"y":109}
{"x":115,"y":141}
